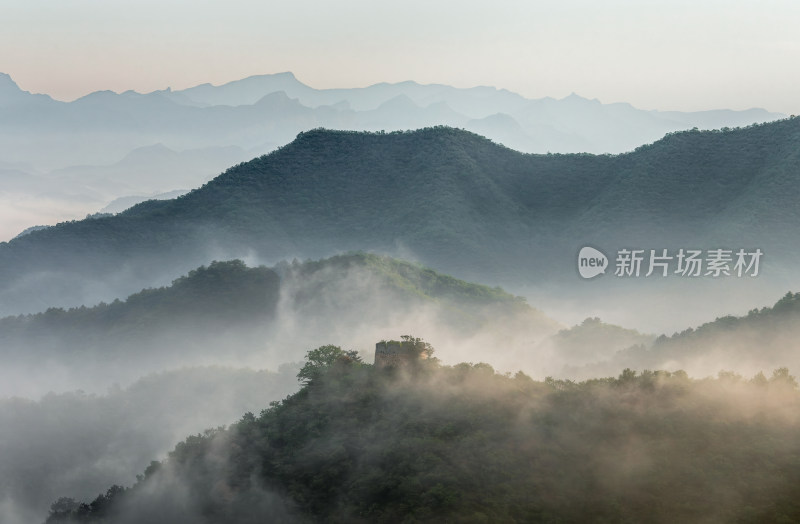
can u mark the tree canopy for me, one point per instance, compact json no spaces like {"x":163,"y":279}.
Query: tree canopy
{"x":466,"y":444}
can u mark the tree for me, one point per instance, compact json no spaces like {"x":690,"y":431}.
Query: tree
{"x":627,"y":376}
{"x":63,"y":509}
{"x":319,"y":360}
{"x":420,"y":346}
{"x":759,"y":379}
{"x":782,"y":377}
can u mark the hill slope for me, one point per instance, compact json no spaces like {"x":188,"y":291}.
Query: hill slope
{"x":69,"y":152}
{"x":227,"y":313}
{"x":462,"y":444}
{"x":762,"y":339}
{"x":80,"y":443}
{"x":271,"y":109}
{"x":454,"y":200}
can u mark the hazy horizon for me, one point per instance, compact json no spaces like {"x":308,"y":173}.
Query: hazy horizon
{"x":676,"y":56}
{"x":124,"y":333}
{"x":559,"y":97}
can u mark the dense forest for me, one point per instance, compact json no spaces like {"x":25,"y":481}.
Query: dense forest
{"x":436,"y":441}
{"x":594,"y":340}
{"x":230,"y":297}
{"x":457,"y":201}
{"x":433,"y":443}
{"x":763,"y":337}
{"x":230,"y":310}
{"x":77,"y":442}
{"x":230,"y":314}
{"x":224,"y":293}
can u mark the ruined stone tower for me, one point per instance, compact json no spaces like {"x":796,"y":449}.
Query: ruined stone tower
{"x":397,"y":354}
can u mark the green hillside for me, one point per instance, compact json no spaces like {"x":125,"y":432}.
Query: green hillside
{"x":204,"y":311}
{"x":412,"y":280}
{"x":762,"y":339}
{"x":224,"y":295}
{"x":594,"y":340}
{"x":456,"y":200}
{"x":104,"y":438}
{"x":463,"y":444}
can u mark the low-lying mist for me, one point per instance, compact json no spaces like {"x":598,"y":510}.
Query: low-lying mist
{"x":761,"y":340}
{"x":430,"y":443}
{"x":228,"y":314}
{"x":60,"y":441}
{"x":225,"y":314}
{"x":81,"y":443}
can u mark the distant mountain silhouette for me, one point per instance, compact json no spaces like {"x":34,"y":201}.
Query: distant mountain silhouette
{"x":272,"y":109}
{"x":121,"y":204}
{"x":761,"y":340}
{"x":11,"y":96}
{"x":226,"y":312}
{"x":257,"y":114}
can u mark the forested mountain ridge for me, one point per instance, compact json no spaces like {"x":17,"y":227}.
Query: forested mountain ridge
{"x":763,"y":337}
{"x":452,"y":199}
{"x":271,"y":109}
{"x":106,"y":437}
{"x":430,"y":443}
{"x":228,"y":313}
{"x":224,"y":294}
{"x":231,"y":294}
{"x":105,"y":145}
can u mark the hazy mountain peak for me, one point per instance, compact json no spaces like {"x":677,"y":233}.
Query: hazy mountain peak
{"x":404,"y":83}
{"x":440,"y":106}
{"x":277,"y":96}
{"x":399,"y":102}
{"x":503,"y":120}
{"x":285,"y":78}
{"x":246,"y":91}
{"x":96,"y":96}
{"x":407,"y":83}
{"x":149,"y":153}
{"x":576,"y":98}
{"x":500,"y":118}
{"x":6,"y":82}
{"x":288,"y":75}
{"x":11,"y":93}
{"x":342,"y":105}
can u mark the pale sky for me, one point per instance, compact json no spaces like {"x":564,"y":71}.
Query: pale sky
{"x":670,"y":55}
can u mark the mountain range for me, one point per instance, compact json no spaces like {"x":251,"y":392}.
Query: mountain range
{"x":217,"y":313}
{"x":119,"y":383}
{"x":229,"y":314}
{"x":430,"y":443}
{"x":271,"y":109}
{"x":65,"y":160}
{"x":212,"y":296}
{"x":757,"y":341}
{"x":446,"y":197}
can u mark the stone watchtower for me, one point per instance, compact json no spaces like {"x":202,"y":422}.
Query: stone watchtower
{"x":397,"y":354}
